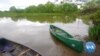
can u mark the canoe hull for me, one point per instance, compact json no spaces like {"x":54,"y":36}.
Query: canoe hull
{"x":17,"y":49}
{"x":70,"y":41}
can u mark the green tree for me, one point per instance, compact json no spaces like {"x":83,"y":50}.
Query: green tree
{"x":19,"y":10}
{"x":49,"y":7}
{"x":69,"y":8}
{"x":91,"y":7}
{"x":13,"y":9}
{"x":92,"y":4}
{"x":31,"y":9}
{"x":41,"y":8}
{"x":96,"y":17}
{"x":58,"y":8}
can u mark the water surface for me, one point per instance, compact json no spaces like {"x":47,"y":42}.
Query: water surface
{"x":36,"y":35}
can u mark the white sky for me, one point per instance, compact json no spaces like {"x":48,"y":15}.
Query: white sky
{"x":6,"y":4}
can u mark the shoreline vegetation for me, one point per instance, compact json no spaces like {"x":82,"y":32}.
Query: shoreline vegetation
{"x":91,"y":12}
{"x":63,"y":10}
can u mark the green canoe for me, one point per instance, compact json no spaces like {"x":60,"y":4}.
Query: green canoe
{"x":67,"y":39}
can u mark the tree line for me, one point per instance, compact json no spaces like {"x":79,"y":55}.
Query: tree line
{"x":49,"y":7}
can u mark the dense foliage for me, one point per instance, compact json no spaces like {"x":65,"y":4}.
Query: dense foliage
{"x":95,"y":16}
{"x":91,"y":7}
{"x":94,"y":33}
{"x":91,"y":11}
{"x":49,"y":7}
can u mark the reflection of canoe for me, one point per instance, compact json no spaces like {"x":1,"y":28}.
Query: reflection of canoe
{"x":66,"y":38}
{"x":9,"y":48}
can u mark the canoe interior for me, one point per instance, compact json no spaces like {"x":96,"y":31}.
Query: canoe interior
{"x":16,"y":49}
{"x":67,"y":39}
{"x":59,"y":31}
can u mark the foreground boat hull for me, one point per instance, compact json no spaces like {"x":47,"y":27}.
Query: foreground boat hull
{"x":16,"y":49}
{"x":66,"y":38}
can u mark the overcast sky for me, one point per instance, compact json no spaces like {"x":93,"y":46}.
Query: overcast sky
{"x":6,"y":4}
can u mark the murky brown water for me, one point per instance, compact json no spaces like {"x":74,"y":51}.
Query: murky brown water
{"x":36,"y":35}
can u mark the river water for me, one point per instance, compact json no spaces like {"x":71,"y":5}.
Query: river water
{"x":36,"y":35}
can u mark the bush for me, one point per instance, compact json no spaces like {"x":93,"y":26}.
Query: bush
{"x":94,"y":33}
{"x":95,"y":16}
